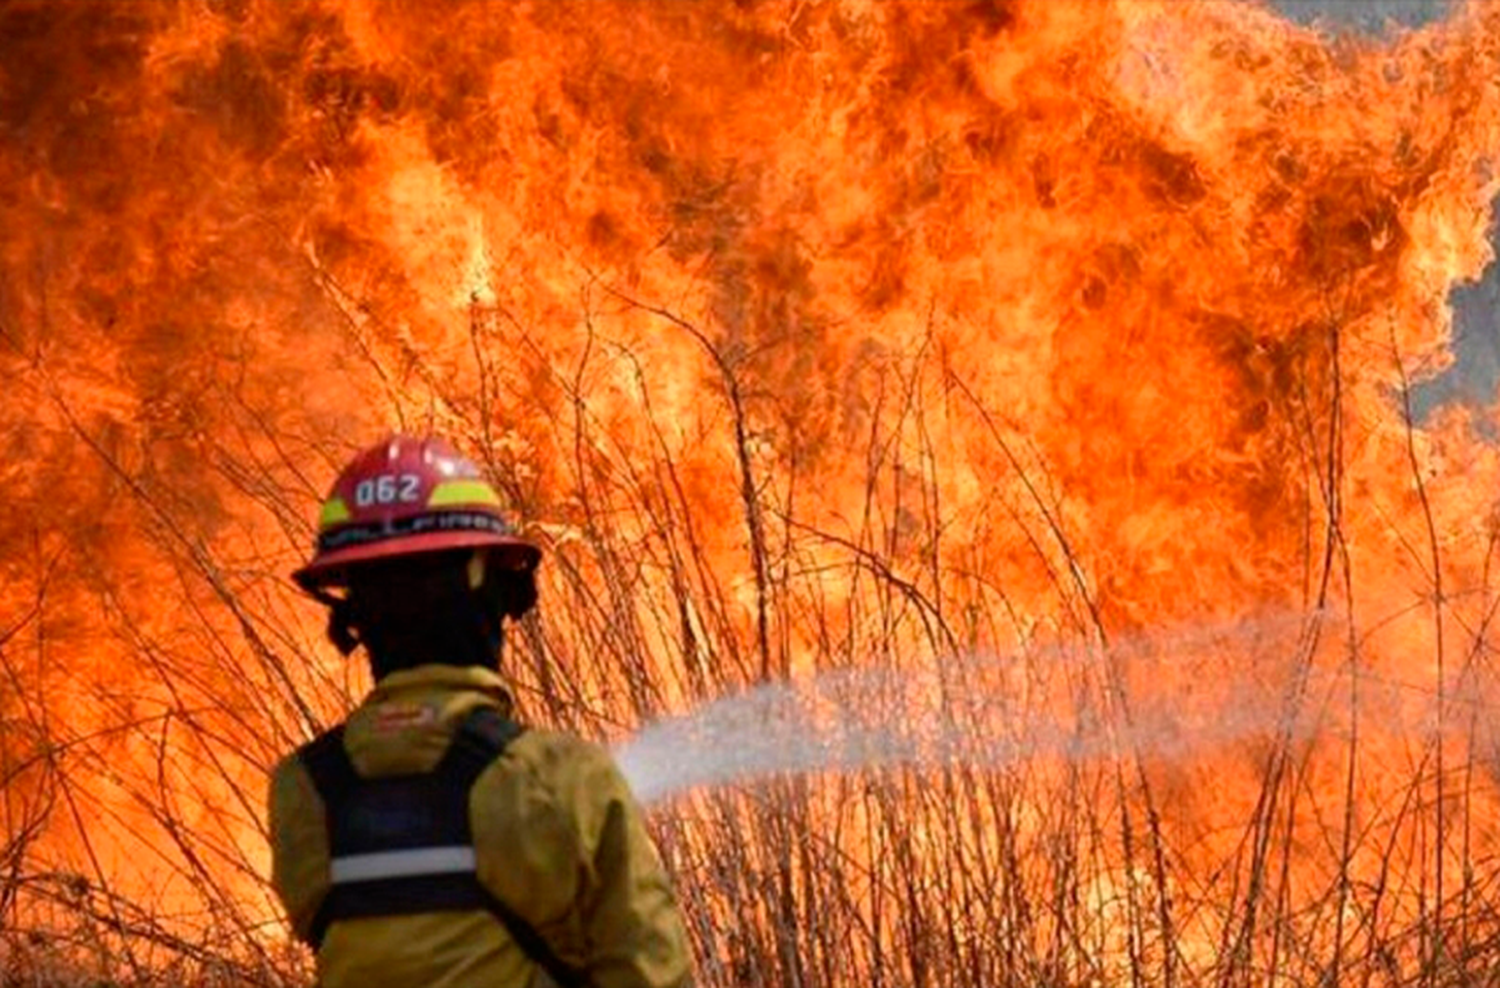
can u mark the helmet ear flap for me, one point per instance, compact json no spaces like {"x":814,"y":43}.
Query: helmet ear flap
{"x":510,"y":592}
{"x":341,"y":625}
{"x":517,"y":592}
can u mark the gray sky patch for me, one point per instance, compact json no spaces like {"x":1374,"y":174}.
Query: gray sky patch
{"x":1367,"y":15}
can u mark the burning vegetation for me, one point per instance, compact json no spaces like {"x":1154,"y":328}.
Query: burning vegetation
{"x":809,"y":339}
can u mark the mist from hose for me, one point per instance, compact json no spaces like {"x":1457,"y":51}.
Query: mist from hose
{"x":1190,"y":693}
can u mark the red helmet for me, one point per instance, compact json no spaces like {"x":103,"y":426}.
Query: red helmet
{"x":405,"y":497}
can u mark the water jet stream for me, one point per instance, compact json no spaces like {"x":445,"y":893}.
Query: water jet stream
{"x":1183,"y":694}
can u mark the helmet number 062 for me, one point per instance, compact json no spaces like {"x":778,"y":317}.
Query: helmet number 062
{"x":388,"y":488}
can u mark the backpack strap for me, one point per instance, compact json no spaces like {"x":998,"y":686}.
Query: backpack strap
{"x":480,"y":738}
{"x":326,"y":761}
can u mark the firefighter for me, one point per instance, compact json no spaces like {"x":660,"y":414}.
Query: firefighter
{"x":431,"y":840}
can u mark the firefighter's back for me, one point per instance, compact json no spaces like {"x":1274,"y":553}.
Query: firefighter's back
{"x":431,"y":843}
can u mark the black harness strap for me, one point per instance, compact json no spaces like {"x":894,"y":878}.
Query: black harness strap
{"x":414,"y":813}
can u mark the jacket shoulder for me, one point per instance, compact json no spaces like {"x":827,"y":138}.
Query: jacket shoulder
{"x":566,"y":767}
{"x":541,"y":746}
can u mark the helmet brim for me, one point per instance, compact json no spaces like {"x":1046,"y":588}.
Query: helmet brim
{"x":331,"y":569}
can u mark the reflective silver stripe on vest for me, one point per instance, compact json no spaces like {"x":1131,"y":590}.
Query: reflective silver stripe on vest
{"x":402,"y":864}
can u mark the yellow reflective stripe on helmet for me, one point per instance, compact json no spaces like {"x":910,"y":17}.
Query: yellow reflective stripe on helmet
{"x":451,"y":492}
{"x":334,"y":512}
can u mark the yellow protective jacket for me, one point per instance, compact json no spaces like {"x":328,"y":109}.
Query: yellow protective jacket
{"x":557,"y":837}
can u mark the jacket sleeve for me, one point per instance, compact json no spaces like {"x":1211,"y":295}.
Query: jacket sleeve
{"x":299,"y":844}
{"x":561,"y":840}
{"x":632,"y":925}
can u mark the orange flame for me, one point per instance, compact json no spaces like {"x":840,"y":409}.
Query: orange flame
{"x":808,"y":336}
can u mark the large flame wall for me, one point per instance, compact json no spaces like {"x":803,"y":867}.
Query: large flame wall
{"x":806,"y":336}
